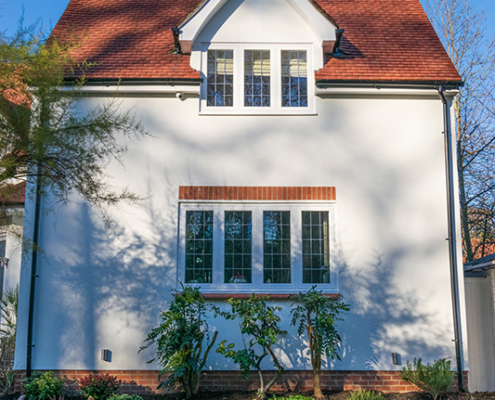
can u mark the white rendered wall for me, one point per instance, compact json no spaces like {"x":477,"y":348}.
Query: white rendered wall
{"x":103,"y":288}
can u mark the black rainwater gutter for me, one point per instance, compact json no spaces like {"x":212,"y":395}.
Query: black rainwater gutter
{"x":452,"y":238}
{"x":34,"y":276}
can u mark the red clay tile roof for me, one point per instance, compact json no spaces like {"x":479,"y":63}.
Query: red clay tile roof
{"x":13,"y":194}
{"x":384,"y":40}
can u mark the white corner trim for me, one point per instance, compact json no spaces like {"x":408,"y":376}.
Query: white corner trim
{"x":191,"y":28}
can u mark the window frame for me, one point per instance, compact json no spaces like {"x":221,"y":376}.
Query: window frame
{"x":275,"y":108}
{"x":257,"y":208}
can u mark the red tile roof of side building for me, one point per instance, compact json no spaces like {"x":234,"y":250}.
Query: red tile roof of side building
{"x":13,"y":194}
{"x":384,"y":40}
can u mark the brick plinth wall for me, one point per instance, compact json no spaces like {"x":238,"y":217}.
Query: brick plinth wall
{"x":146,"y":382}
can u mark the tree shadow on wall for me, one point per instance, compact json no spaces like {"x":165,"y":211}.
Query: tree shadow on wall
{"x":385,"y":318}
{"x":106,"y":287}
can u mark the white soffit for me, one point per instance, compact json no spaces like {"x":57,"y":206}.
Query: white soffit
{"x":191,"y":28}
{"x":322,"y":27}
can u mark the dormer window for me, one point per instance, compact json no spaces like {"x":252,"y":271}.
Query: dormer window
{"x":257,"y":79}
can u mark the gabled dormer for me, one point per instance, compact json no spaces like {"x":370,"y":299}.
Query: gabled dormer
{"x":257,"y":56}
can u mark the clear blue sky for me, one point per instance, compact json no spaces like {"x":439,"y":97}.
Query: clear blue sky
{"x":50,"y":11}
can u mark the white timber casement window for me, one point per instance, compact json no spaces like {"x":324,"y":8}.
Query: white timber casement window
{"x":257,"y":79}
{"x":262,"y":247}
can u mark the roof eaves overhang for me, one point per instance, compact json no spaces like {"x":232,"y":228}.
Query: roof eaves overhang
{"x":135,"y":81}
{"x":483,"y":264}
{"x":448,"y":85}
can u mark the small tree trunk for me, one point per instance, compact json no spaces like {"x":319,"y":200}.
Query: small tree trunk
{"x":194,"y":383}
{"x":264,"y":389}
{"x":317,"y":384}
{"x":315,"y":360}
{"x":186,"y":383}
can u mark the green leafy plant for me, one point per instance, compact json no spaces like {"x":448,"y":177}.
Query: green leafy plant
{"x":318,"y":314}
{"x":179,"y":340}
{"x":291,"y":397}
{"x":99,"y":387}
{"x":125,"y":397}
{"x":259,"y":321}
{"x":44,"y":386}
{"x":435,"y":379}
{"x":7,"y":380}
{"x":365,"y":395}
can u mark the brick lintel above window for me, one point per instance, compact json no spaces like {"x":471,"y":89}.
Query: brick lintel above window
{"x":258,"y":193}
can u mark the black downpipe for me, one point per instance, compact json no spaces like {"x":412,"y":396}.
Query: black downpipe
{"x":454,"y":278}
{"x":34,"y":263}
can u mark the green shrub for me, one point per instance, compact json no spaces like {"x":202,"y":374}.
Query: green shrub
{"x":99,"y":387}
{"x":43,"y":386}
{"x":260,"y":322}
{"x":179,"y":340}
{"x":125,"y":397}
{"x":7,"y":380}
{"x":291,"y":397}
{"x":317,"y":315}
{"x":436,"y":379}
{"x":365,"y":395}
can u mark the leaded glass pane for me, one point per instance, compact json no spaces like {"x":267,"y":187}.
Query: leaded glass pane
{"x":199,"y":246}
{"x":238,"y":247}
{"x":257,"y":78}
{"x":220,"y":79}
{"x":276,"y":247}
{"x":316,"y":251}
{"x":294,"y":78}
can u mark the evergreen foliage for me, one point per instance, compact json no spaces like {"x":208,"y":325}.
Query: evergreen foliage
{"x":435,"y":379}
{"x":181,"y":338}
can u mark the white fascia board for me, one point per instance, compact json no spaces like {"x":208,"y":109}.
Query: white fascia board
{"x":138,"y":89}
{"x":324,"y":29}
{"x":350,"y":91}
{"x":191,"y":28}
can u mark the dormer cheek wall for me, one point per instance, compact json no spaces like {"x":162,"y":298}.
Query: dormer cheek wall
{"x":257,"y":21}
